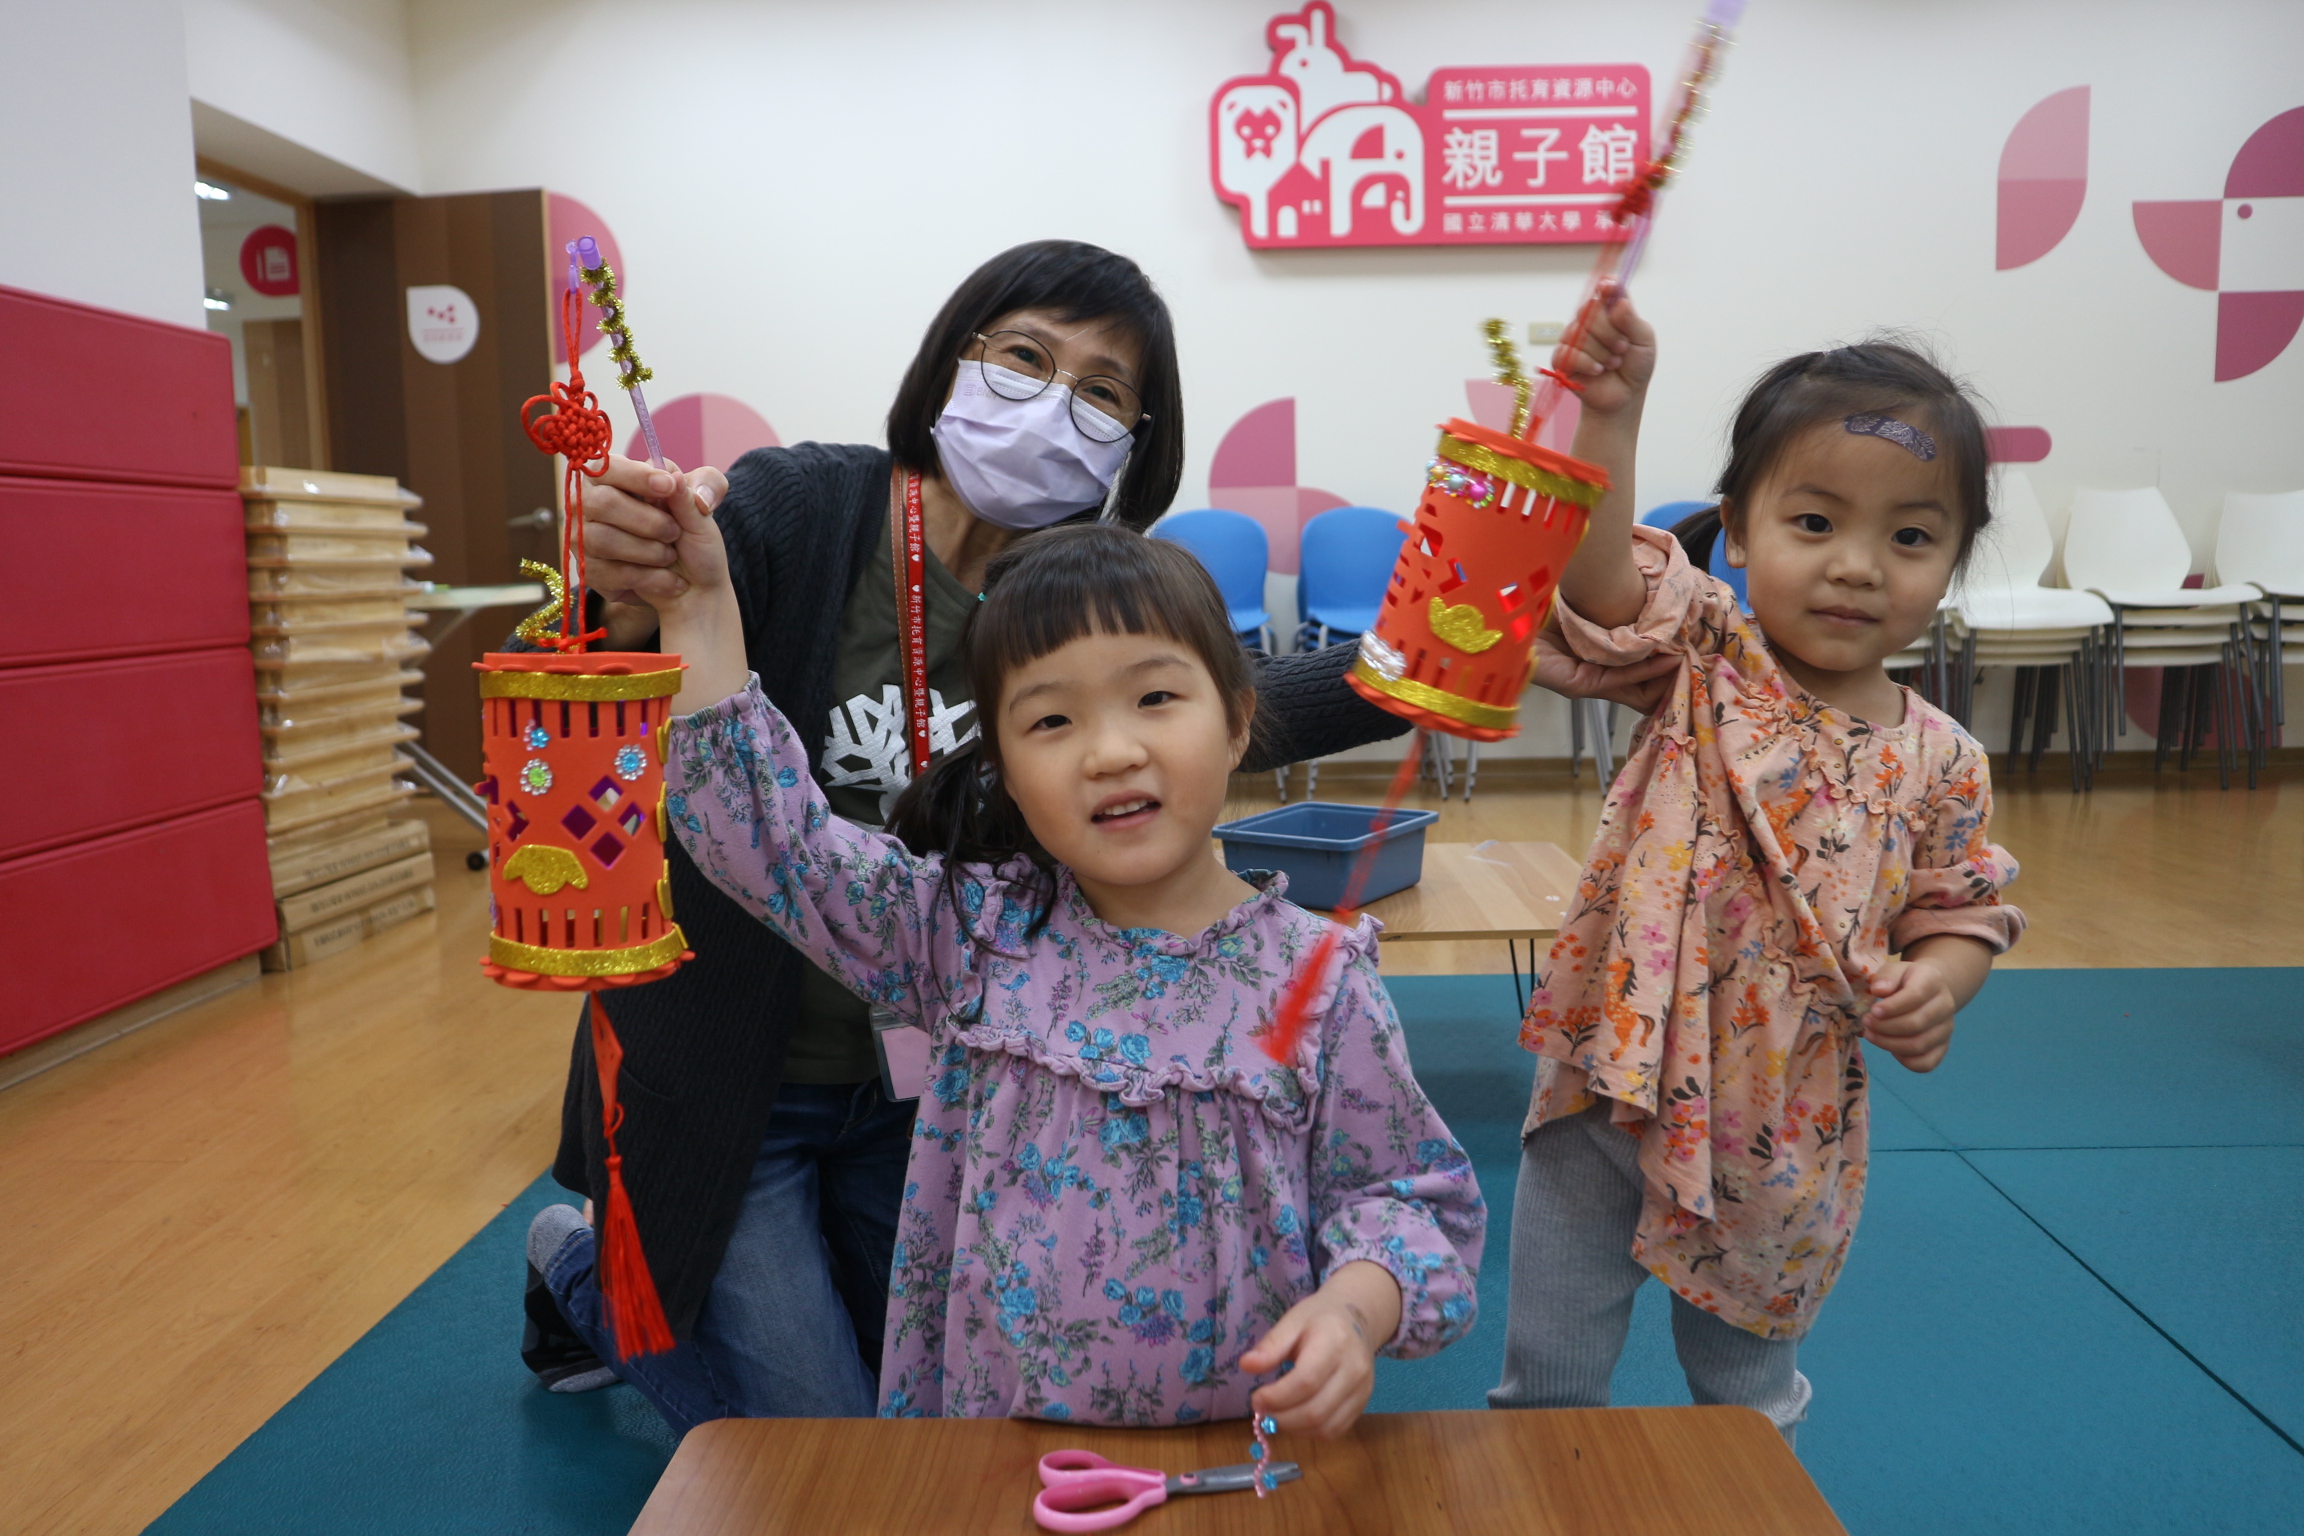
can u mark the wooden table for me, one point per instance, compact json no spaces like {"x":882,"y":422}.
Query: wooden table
{"x":1555,"y":1472}
{"x":1491,"y":890}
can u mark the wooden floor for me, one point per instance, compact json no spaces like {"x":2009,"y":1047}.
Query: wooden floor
{"x":201,"y":1216}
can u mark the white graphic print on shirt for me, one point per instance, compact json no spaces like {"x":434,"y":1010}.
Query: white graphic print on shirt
{"x":869,"y":744}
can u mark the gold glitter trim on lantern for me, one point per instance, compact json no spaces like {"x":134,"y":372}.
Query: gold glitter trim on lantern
{"x":663,"y":825}
{"x":664,"y":740}
{"x":581,"y":687}
{"x":515,"y":956}
{"x":544,"y":869}
{"x":1521,"y":473}
{"x":1487,"y":717}
{"x":532,"y":628}
{"x":664,"y":894}
{"x":1463,"y":627}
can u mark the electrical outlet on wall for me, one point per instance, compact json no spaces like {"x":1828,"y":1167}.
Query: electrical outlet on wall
{"x":1546,"y":333}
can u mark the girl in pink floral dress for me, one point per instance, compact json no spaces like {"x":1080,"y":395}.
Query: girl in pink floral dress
{"x":1794,"y":858}
{"x":1119,"y":1208}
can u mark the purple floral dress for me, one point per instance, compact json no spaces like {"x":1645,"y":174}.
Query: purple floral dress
{"x":1113,"y":1191}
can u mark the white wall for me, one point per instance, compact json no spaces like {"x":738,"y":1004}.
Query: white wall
{"x":797,"y":186}
{"x":99,"y":156}
{"x":331,"y":76}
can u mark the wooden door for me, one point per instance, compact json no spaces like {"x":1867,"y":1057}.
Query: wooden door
{"x":450,"y":432}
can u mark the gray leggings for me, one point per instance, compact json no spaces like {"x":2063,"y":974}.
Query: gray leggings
{"x":1572,"y":1282}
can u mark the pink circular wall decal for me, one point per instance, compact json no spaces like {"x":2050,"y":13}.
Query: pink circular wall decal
{"x":268,"y":261}
{"x":566,"y":220}
{"x":705,"y":429}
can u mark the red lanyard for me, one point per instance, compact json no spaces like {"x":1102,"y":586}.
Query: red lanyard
{"x":912,"y":621}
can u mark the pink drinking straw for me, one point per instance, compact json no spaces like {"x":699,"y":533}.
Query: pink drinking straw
{"x":584,"y":256}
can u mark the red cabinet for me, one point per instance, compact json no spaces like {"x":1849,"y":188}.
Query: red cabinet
{"x":131,"y":838}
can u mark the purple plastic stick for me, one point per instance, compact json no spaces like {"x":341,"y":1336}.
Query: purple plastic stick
{"x":584,"y":253}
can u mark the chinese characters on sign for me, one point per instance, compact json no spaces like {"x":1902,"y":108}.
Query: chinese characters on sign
{"x":1325,"y":150}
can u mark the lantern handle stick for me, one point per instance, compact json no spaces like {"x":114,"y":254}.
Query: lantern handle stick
{"x":584,"y":254}
{"x":1635,"y":211}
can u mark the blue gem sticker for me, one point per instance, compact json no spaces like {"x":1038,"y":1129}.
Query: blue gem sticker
{"x":538,"y":738}
{"x":631,"y":762}
{"x":536,"y":776}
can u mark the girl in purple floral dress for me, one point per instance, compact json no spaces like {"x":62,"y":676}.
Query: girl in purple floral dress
{"x":1119,"y":1210}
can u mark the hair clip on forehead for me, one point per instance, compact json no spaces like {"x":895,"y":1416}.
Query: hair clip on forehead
{"x":1902,"y":433}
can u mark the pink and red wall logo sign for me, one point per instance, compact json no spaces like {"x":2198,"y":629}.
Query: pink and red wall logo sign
{"x":2246,"y":247}
{"x":1326,"y":150}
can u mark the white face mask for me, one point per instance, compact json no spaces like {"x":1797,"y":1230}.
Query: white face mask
{"x":1021,"y":464}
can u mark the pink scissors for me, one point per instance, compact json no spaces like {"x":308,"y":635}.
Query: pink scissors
{"x":1078,"y":1481}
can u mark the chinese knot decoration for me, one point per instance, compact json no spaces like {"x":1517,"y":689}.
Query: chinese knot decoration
{"x":574,"y":741}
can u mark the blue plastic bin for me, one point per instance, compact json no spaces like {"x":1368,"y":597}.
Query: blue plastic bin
{"x":1314,"y":842}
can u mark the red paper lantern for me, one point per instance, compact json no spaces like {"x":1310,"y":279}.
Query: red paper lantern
{"x":1455,"y":641}
{"x":574,"y":751}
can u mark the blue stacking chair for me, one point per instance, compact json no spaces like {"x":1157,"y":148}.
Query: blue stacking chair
{"x":1346,"y":560}
{"x":1670,"y":513}
{"x":1233,"y":548}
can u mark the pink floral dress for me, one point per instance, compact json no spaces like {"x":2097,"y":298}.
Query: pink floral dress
{"x":1760,"y":857}
{"x":1113,"y":1192}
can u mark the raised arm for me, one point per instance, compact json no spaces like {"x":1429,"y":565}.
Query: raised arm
{"x":1614,"y":360}
{"x":741,"y":799}
{"x":853,"y":900}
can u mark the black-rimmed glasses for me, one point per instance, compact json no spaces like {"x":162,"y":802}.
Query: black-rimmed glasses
{"x":1017,"y":366}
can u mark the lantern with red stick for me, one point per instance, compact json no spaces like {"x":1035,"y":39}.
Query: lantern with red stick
{"x":1453,"y":645}
{"x":574,"y":745}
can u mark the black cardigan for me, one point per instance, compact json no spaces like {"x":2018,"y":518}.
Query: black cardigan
{"x":704,"y":1048}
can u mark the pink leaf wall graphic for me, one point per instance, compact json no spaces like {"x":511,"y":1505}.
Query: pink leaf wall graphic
{"x":1254,"y":474}
{"x":2043,"y":178}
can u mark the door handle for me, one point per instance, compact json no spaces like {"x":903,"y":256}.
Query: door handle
{"x":541,"y":518}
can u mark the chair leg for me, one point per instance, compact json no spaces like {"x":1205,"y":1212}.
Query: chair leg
{"x":1471,"y":768}
{"x":2044,"y":684}
{"x":2072,"y":731}
{"x":2164,"y":718}
{"x":1575,"y":737}
{"x":2118,"y":702}
{"x":1603,"y":742}
{"x":2019,"y":705}
{"x":1280,"y":782}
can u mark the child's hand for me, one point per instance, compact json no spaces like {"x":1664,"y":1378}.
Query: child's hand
{"x":1332,"y":1336}
{"x":632,"y":536}
{"x":1615,"y":357}
{"x":1911,"y":1018}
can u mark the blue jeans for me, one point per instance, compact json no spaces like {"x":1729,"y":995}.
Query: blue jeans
{"x":792,"y":1325}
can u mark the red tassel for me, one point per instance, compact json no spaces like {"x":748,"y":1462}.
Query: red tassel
{"x":1287,"y":1031}
{"x":1295,"y":1010}
{"x":635,"y":1313}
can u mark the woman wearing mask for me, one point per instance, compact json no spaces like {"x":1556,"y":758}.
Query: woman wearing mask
{"x":764,"y":1160}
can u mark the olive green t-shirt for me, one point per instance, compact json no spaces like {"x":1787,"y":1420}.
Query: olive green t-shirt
{"x":866,"y":759}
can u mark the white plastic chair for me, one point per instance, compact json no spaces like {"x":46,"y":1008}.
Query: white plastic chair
{"x":2260,"y":542}
{"x":2126,"y":547}
{"x":2053,"y":637}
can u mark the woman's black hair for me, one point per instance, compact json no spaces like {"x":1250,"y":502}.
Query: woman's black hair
{"x":1079,"y":282}
{"x":1886,"y":375}
{"x":1042,"y":593}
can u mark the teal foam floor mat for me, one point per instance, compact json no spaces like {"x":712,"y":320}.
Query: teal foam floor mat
{"x":2023,"y":1339}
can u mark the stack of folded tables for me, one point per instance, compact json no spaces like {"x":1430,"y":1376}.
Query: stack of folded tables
{"x":328,"y":590}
